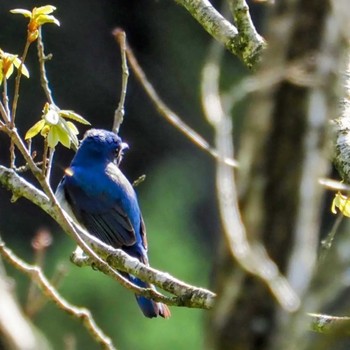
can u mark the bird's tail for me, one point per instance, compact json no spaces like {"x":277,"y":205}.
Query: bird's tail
{"x":149,"y":307}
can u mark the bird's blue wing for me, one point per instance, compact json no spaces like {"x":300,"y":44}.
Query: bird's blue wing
{"x":102,"y":217}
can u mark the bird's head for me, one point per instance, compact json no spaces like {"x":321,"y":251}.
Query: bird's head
{"x":101,"y":146}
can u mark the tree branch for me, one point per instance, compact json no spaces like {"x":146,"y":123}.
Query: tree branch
{"x":186,"y":295}
{"x":42,"y":60}
{"x":341,"y":158}
{"x":330,"y":324}
{"x":253,"y":258}
{"x":169,"y":114}
{"x":242,"y":41}
{"x":120,"y":37}
{"x":36,"y":275}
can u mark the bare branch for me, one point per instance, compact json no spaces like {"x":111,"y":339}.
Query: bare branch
{"x":42,"y":59}
{"x":253,"y":258}
{"x":4,"y":113}
{"x":244,"y":42}
{"x":120,"y":37}
{"x":173,"y":118}
{"x":187,"y":295}
{"x":330,"y":324}
{"x":341,"y":159}
{"x":82,"y":314}
{"x":17,"y":83}
{"x":17,"y":331}
{"x":250,"y":39}
{"x":5,"y":100}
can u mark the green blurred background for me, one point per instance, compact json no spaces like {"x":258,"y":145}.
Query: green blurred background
{"x":178,"y":197}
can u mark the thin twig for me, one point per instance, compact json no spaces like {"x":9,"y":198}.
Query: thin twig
{"x":15,"y":102}
{"x":82,"y":314}
{"x":17,"y":83}
{"x":326,"y":244}
{"x":42,"y":59}
{"x":39,"y":301}
{"x":120,"y":37}
{"x":5,"y":98}
{"x":44,"y":163}
{"x":12,"y":155}
{"x":252,"y":258}
{"x":8,"y":114}
{"x":26,"y":167}
{"x":4,"y":114}
{"x":173,"y":118}
{"x":49,"y":164}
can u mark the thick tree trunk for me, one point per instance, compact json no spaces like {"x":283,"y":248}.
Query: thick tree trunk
{"x":282,"y":156}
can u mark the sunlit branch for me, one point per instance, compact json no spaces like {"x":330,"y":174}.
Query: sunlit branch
{"x":5,"y":99}
{"x":3,"y":113}
{"x":17,"y":83}
{"x":36,"y":275}
{"x":252,"y":257}
{"x":17,"y":331}
{"x":186,"y":295}
{"x":173,"y":118}
{"x":120,"y":37}
{"x":42,"y":60}
{"x":250,"y":41}
{"x":236,"y":40}
{"x":330,"y":324}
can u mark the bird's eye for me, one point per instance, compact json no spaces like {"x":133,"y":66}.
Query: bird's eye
{"x":118,"y":154}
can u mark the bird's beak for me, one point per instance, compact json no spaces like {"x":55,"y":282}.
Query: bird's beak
{"x":124,"y":146}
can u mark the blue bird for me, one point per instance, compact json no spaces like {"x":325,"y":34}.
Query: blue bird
{"x":101,"y":199}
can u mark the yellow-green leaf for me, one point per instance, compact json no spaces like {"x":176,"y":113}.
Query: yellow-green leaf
{"x":53,"y":137}
{"x":74,"y":140}
{"x":72,"y":128}
{"x":342,"y":203}
{"x":74,"y":116}
{"x":42,"y":19}
{"x":63,"y":136}
{"x":68,"y":131}
{"x":23,"y":12}
{"x":17,"y":62}
{"x":45,"y":10}
{"x":35,"y":129}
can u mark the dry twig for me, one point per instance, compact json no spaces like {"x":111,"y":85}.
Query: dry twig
{"x":253,"y":258}
{"x":82,"y":314}
{"x":173,"y":118}
{"x":120,"y":37}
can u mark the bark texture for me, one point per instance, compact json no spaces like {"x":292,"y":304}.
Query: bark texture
{"x":283,"y":153}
